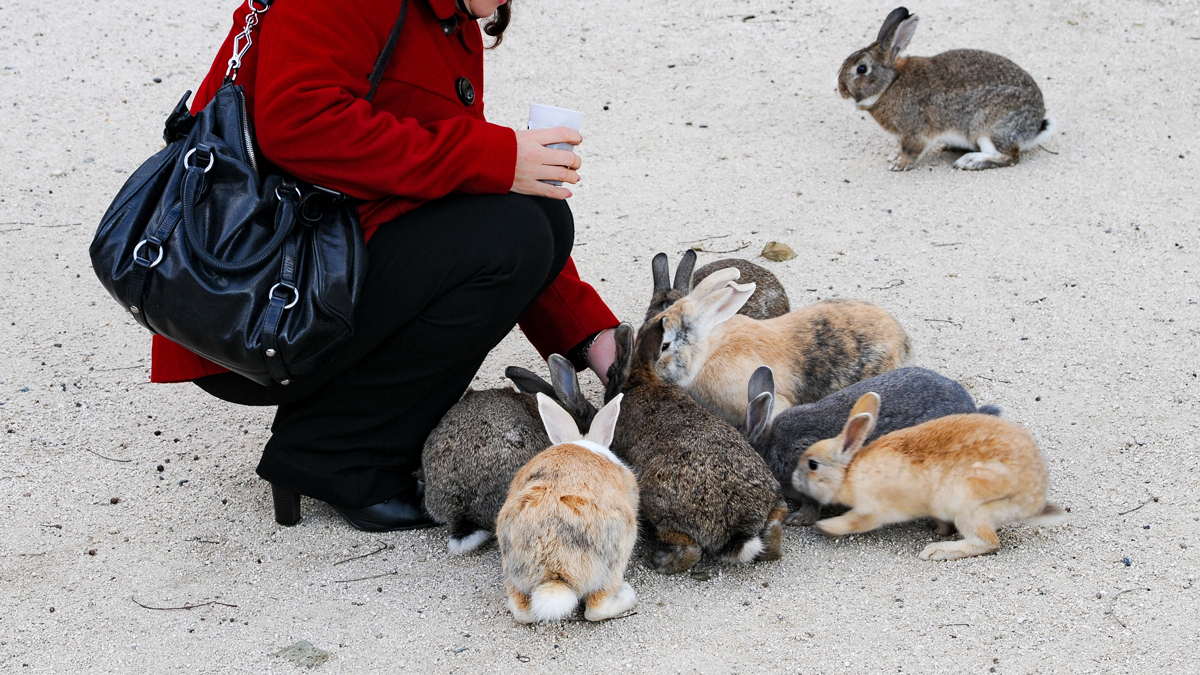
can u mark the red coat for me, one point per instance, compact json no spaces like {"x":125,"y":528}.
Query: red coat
{"x":415,"y":142}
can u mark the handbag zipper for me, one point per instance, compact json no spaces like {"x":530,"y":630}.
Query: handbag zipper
{"x":247,"y":137}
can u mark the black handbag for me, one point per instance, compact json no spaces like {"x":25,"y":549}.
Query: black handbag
{"x":257,"y":273}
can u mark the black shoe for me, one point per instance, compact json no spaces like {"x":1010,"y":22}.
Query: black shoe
{"x":402,"y":512}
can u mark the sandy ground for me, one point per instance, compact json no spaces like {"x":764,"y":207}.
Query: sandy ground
{"x":1064,"y":290}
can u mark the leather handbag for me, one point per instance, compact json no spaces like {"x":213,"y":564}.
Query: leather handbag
{"x":257,"y":273}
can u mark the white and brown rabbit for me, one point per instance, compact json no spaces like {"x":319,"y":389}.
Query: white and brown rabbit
{"x":769,"y":299}
{"x":470,"y":458}
{"x":972,"y":472}
{"x":964,"y":98}
{"x":711,"y":351}
{"x":569,"y":524}
{"x":703,"y":488}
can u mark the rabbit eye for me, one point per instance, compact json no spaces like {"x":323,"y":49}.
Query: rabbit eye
{"x":812,"y":465}
{"x":666,"y":346}
{"x":862,"y":69}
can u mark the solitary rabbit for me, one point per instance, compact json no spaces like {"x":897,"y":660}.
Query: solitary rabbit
{"x":914,"y":395}
{"x":569,"y":524}
{"x":964,"y":98}
{"x":470,"y":458}
{"x":711,"y":351}
{"x":970,"y":472}
{"x":769,"y":299}
{"x":703,"y":488}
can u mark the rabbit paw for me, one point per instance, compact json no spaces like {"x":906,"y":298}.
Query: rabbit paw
{"x":673,"y":558}
{"x":944,"y":551}
{"x":804,"y":516}
{"x":944,"y":528}
{"x":901,"y":162}
{"x":606,"y":606}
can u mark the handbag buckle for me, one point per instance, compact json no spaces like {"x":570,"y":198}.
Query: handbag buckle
{"x":212,"y":159}
{"x":295,"y":294}
{"x":138,"y":260}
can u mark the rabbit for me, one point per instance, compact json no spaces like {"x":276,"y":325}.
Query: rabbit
{"x":703,"y":488}
{"x":711,"y":351}
{"x":916,"y":395}
{"x":964,"y":98}
{"x":768,"y":301}
{"x":972,"y":472}
{"x":470,"y":458}
{"x":569,"y":524}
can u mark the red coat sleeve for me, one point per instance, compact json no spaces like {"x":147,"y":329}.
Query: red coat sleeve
{"x":566,"y":313}
{"x":313,"y":120}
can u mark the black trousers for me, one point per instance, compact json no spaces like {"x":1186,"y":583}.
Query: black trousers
{"x":445,"y":283}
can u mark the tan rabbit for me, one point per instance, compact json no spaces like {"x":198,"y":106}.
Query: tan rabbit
{"x":711,"y":351}
{"x":964,"y":98}
{"x":569,"y":524}
{"x":972,"y":472}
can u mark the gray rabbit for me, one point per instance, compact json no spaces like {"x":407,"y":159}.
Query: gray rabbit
{"x":912,"y":396}
{"x":470,"y":459}
{"x":769,"y":299}
{"x":703,"y":488}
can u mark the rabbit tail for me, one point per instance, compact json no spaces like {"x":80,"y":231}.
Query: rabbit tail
{"x":468,"y":540}
{"x":1051,"y":514}
{"x":1049,"y":126}
{"x":993,"y":410}
{"x":552,"y":601}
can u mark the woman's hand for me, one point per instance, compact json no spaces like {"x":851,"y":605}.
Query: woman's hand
{"x":536,"y":162}
{"x":602,"y":354}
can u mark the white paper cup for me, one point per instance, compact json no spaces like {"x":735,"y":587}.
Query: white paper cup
{"x":548,"y":117}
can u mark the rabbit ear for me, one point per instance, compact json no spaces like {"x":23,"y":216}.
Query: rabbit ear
{"x":618,"y":372}
{"x":763,"y":379}
{"x":662,"y":273}
{"x":649,"y":343}
{"x":605,"y":423}
{"x":565,"y":381}
{"x":867,"y":403}
{"x":889,"y":24}
{"x":900,"y":38}
{"x":528,"y":382}
{"x":718,"y":307}
{"x":714,"y":282}
{"x":758,"y":417}
{"x":858,"y":429}
{"x":683,"y":273}
{"x":560,"y":426}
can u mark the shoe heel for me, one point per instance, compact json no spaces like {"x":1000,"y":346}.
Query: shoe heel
{"x":287,"y":505}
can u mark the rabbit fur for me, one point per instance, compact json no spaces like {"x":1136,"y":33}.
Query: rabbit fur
{"x":915,"y":395}
{"x":569,"y":524}
{"x":769,"y":299}
{"x":964,"y":98}
{"x":469,"y":459}
{"x":703,"y":488}
{"x":711,"y":351}
{"x":971,"y":472}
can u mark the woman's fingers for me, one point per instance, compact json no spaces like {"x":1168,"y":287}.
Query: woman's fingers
{"x":540,"y":189}
{"x":556,"y":135}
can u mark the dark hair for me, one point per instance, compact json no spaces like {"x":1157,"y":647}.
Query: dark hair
{"x":498,"y":22}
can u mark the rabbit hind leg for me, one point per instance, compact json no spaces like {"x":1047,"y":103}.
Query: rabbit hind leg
{"x":609,"y":603}
{"x":520,"y":606}
{"x":978,"y":528}
{"x":677,"y":552}
{"x":989,"y":157}
{"x":772,"y":533}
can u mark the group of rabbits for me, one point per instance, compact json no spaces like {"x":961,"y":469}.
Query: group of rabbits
{"x":728,"y":410}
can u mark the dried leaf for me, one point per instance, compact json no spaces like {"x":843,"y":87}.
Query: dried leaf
{"x":778,"y":252}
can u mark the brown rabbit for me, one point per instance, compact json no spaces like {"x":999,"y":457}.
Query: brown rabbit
{"x":711,"y":351}
{"x":769,"y":299}
{"x":963,"y":98}
{"x":703,"y":488}
{"x":972,"y":472}
{"x":569,"y":524}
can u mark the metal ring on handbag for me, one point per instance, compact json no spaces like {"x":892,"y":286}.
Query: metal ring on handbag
{"x":212,"y":159}
{"x":139,"y":247}
{"x":299,"y":195}
{"x":295,"y":294}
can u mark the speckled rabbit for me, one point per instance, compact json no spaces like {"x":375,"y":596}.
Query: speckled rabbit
{"x":970,"y":472}
{"x":711,"y":351}
{"x":703,"y":488}
{"x":964,"y":98}
{"x":470,"y":458}
{"x":569,"y":524}
{"x":914,"y":395}
{"x":769,"y":299}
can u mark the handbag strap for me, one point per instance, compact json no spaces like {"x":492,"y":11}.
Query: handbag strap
{"x":386,"y":55}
